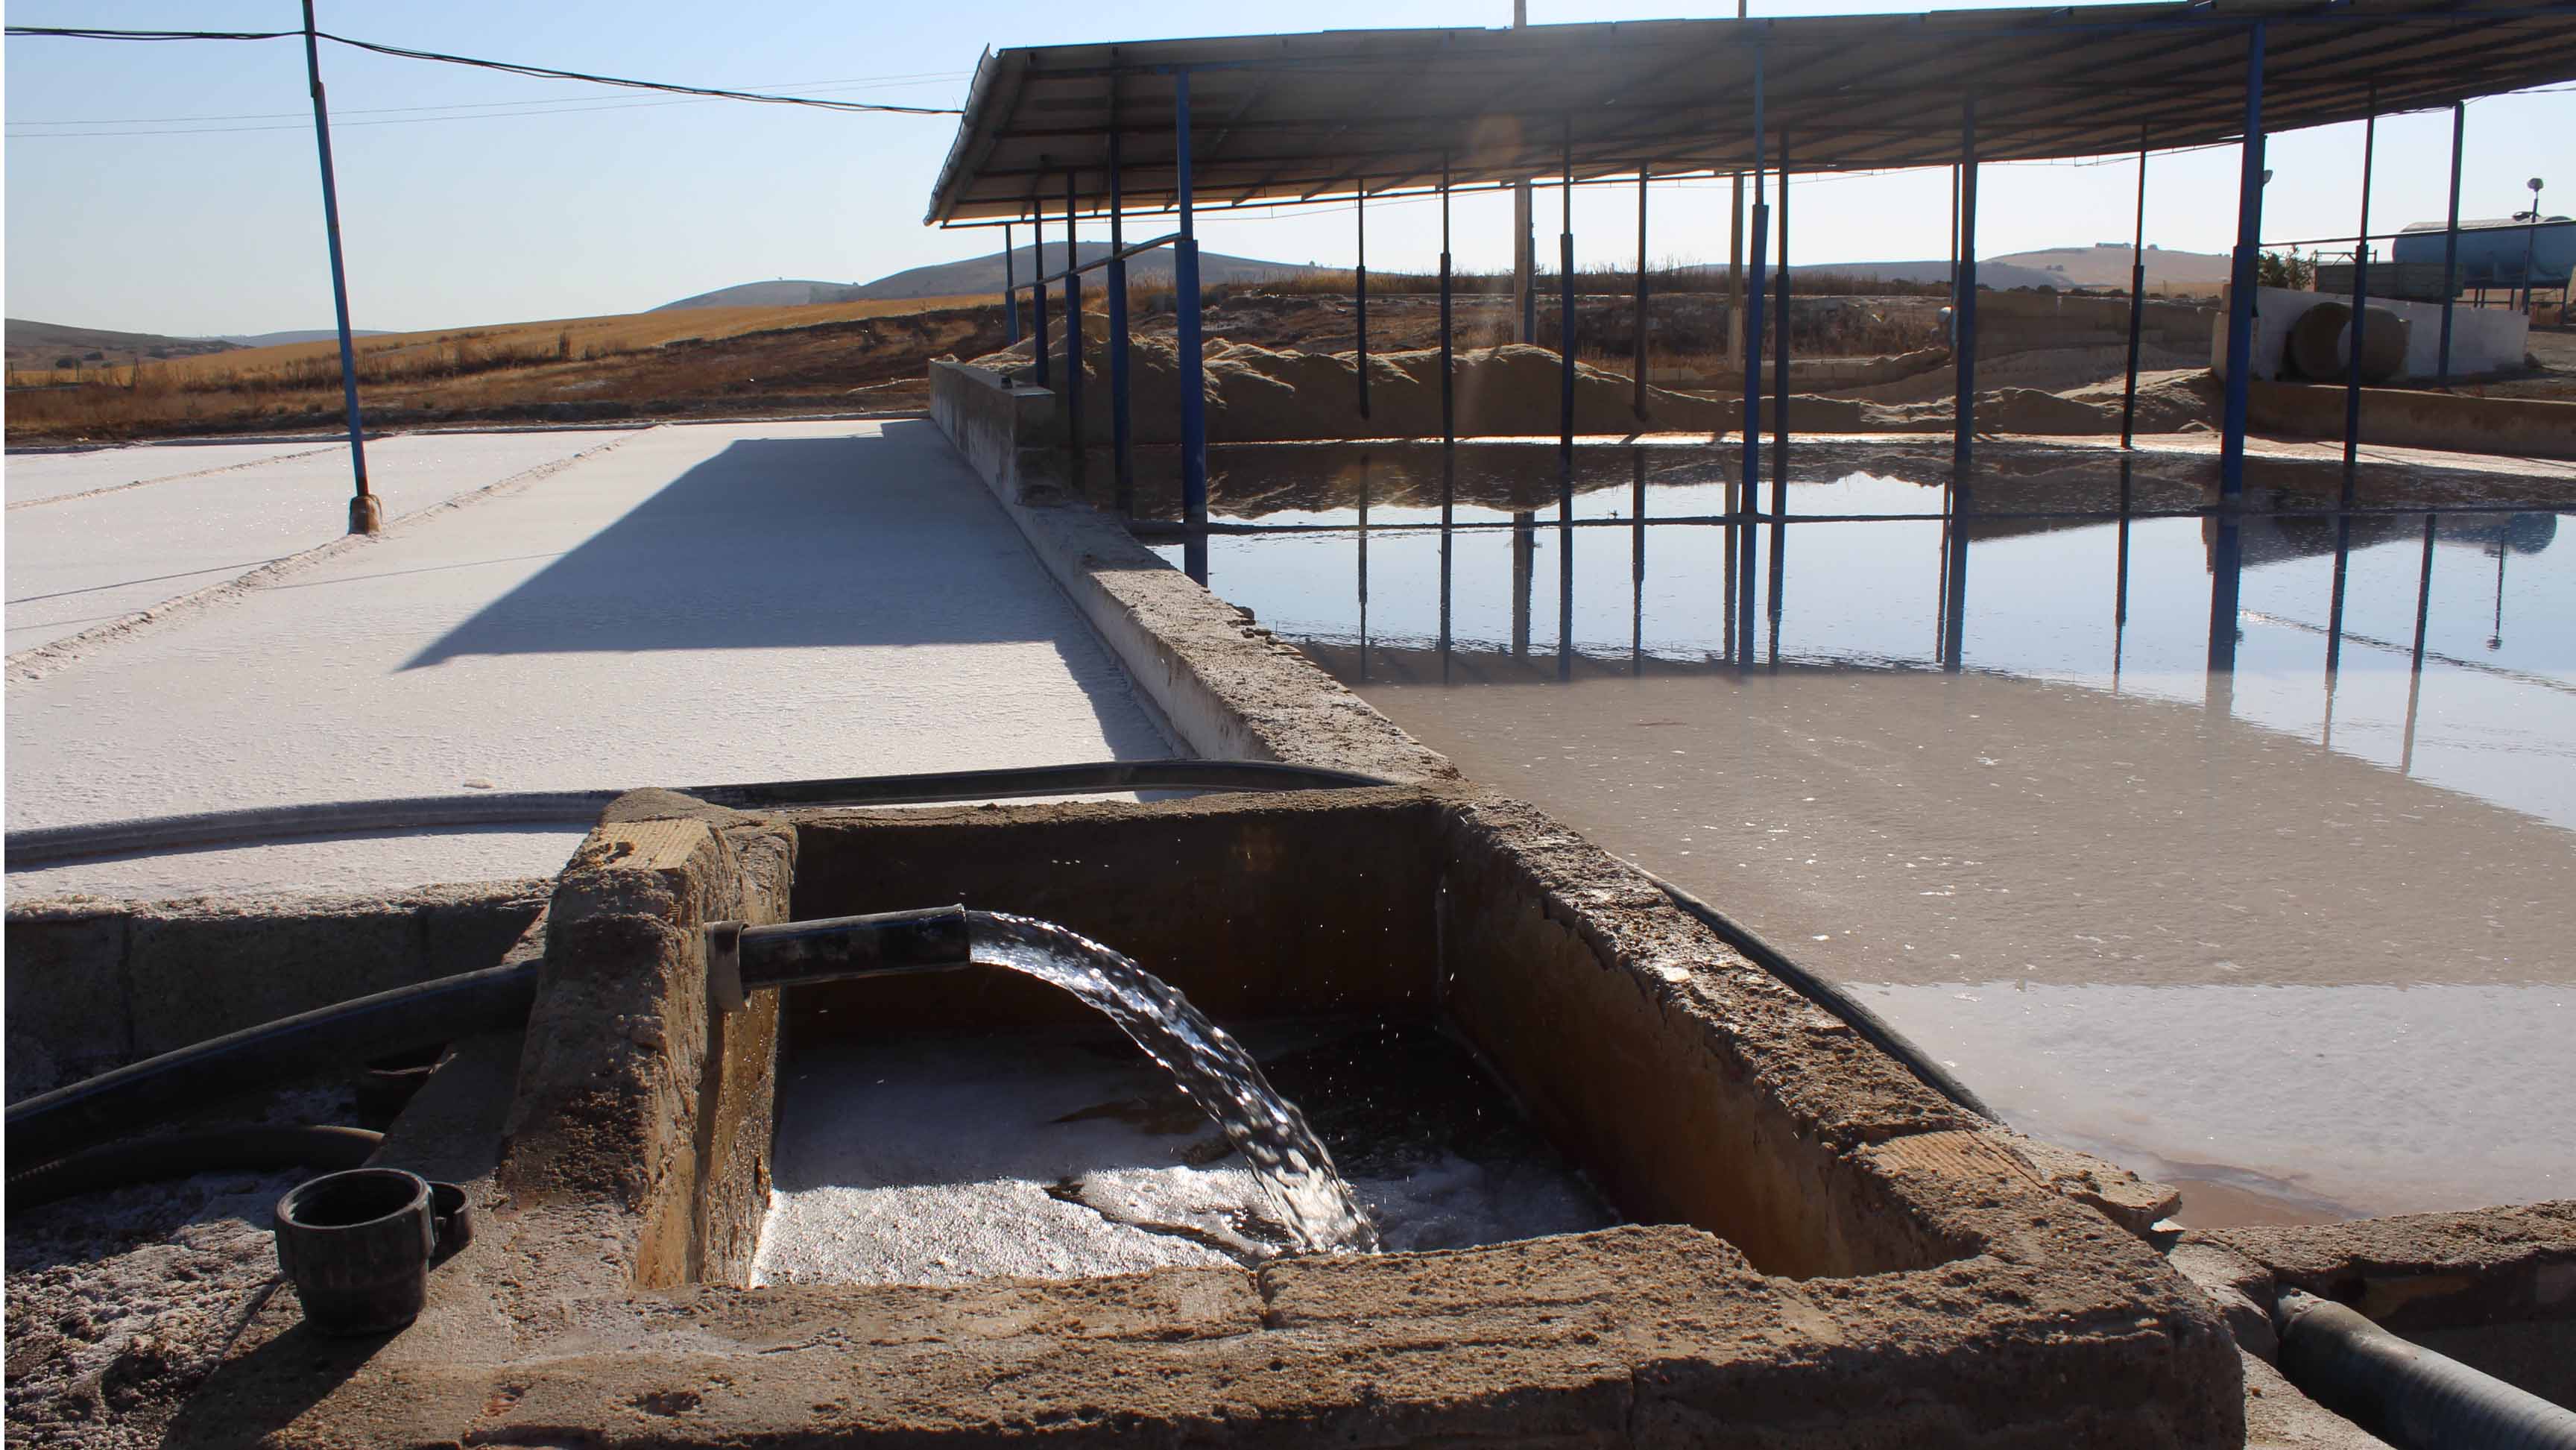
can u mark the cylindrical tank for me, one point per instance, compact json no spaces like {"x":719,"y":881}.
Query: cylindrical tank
{"x":2491,"y":250}
{"x":2321,"y":342}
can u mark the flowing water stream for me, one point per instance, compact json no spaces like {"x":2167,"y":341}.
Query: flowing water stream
{"x":1290,"y":1163}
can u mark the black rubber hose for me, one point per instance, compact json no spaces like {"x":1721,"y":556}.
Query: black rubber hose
{"x":47,"y":845}
{"x":343,"y":1035}
{"x":149,"y":1160}
{"x":1871,"y":1027}
{"x":2404,"y":1393}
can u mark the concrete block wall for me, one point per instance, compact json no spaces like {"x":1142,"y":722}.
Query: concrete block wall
{"x":94,"y":984}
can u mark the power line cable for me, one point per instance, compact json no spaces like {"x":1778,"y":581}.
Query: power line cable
{"x":855,"y":83}
{"x":503,"y":66}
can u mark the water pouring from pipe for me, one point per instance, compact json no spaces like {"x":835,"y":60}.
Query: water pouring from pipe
{"x":1291,"y":1165}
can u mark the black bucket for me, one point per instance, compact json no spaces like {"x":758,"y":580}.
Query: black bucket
{"x":359,"y":1245}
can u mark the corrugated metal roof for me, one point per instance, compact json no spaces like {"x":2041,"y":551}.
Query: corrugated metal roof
{"x":1297,"y":117}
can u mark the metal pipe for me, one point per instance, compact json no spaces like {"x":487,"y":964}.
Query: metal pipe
{"x":1448,"y":378}
{"x":366,"y":515}
{"x":2451,"y":239}
{"x":2241,"y":280}
{"x":1780,"y":420}
{"x":1193,"y":380}
{"x":2404,"y":1393}
{"x":1637,"y":561}
{"x":2360,"y":311}
{"x":1359,"y":298}
{"x":424,"y":1014}
{"x":1076,"y":443}
{"x":1122,"y":429}
{"x":1752,"y":501}
{"x":2137,"y":301}
{"x":744,"y":959}
{"x":1638,"y":406}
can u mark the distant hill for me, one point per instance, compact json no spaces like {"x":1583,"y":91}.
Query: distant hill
{"x":981,"y":275}
{"x":41,"y":344}
{"x":308,"y":334}
{"x":2105,"y":264}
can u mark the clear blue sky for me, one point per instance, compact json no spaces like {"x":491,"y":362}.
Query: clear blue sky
{"x":613,"y":201}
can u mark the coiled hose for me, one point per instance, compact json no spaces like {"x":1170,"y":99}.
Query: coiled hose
{"x":146,"y":1160}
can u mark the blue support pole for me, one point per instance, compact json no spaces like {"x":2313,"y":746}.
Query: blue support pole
{"x":1076,"y":443}
{"x":1749,"y":508}
{"x":1010,"y":288}
{"x":1448,"y":374}
{"x":366,"y":515}
{"x":1121,"y":393}
{"x":1037,"y":283}
{"x":1185,"y":280}
{"x":1359,"y":302}
{"x":2240,"y":295}
{"x":2451,"y":238}
{"x":1565,"y":418}
{"x":2360,"y":312}
{"x":2137,"y":304}
{"x":1780,"y":422}
{"x":1963,"y":439}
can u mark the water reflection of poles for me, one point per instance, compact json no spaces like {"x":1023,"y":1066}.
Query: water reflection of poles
{"x":2226,"y":580}
{"x":2334,"y":619}
{"x":1729,"y":637}
{"x":2495,"y":640}
{"x":1954,"y":577}
{"x":1448,"y":494}
{"x":1524,"y":565}
{"x":1637,"y":558}
{"x":2120,"y":588}
{"x":2415,"y":670}
{"x":1364,"y":503}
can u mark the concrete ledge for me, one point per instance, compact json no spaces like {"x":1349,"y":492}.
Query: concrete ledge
{"x":2407,"y":418}
{"x":1009,"y":433}
{"x":94,"y":984}
{"x":1229,"y":689}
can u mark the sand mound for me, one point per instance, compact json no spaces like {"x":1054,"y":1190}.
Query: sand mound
{"x":1256,"y":394}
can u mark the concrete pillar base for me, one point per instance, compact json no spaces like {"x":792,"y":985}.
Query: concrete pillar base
{"x":366,"y":515}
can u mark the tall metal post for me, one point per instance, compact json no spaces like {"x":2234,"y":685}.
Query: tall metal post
{"x":1359,"y":299}
{"x":1638,"y":406}
{"x":1954,"y":557}
{"x":2360,"y":311}
{"x":1963,"y":315}
{"x":1073,"y":429}
{"x":2451,"y":237}
{"x":1122,"y":429}
{"x":1010,"y":287}
{"x":2240,"y":296}
{"x":1448,"y":373}
{"x":1185,"y":280}
{"x":1565,"y":417}
{"x":1751,"y":506}
{"x":1565,"y":321}
{"x":1037,"y":283}
{"x":2137,"y":300}
{"x":1735,"y":272}
{"x":366,"y":513}
{"x":1524,"y":234}
{"x":1780,"y":421}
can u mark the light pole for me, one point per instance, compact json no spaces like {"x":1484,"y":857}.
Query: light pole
{"x":2530,"y":234}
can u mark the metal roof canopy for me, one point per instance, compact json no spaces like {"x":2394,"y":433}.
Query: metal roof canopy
{"x":1299,"y":117}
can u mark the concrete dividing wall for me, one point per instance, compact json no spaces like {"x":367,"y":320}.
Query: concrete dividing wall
{"x":96,"y":984}
{"x":1008,"y":432}
{"x":2404,"y":418}
{"x":1225,"y":687}
{"x":2483,"y":340}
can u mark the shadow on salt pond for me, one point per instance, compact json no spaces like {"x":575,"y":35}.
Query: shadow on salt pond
{"x":2237,"y":850}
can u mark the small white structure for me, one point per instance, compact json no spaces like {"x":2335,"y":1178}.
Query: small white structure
{"x":2483,"y":340}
